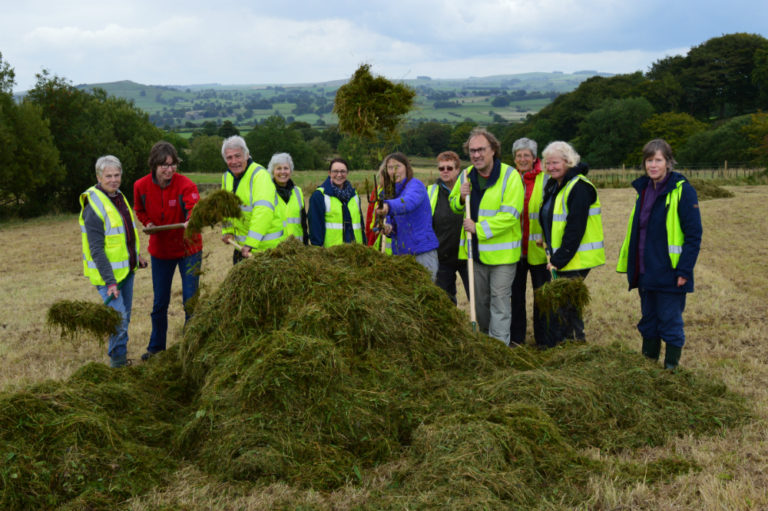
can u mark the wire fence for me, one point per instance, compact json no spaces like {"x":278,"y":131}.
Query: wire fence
{"x":618,"y":177}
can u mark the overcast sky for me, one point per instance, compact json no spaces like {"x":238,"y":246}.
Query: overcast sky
{"x":298,"y":41}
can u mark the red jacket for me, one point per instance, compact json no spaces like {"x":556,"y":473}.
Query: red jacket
{"x":170,"y":205}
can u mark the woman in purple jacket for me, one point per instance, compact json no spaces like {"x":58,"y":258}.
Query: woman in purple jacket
{"x":408,"y":213}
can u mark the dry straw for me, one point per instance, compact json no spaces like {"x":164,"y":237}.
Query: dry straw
{"x":320,"y":368}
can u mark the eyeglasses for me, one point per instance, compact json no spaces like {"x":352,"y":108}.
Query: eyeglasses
{"x":339,"y":172}
{"x":444,"y":168}
{"x":478,"y":150}
{"x":168,"y":166}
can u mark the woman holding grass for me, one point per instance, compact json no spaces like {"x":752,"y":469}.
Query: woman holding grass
{"x":111,"y":248}
{"x":290,"y":207}
{"x":660,"y":250}
{"x":408,"y":213}
{"x":573,"y":229}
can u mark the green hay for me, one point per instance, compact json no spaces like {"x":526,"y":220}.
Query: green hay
{"x":561,"y":293}
{"x":319,"y":368}
{"x":706,"y":190}
{"x":212,"y":210}
{"x":75,"y":318}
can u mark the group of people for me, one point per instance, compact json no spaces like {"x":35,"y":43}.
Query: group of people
{"x":509,"y":221}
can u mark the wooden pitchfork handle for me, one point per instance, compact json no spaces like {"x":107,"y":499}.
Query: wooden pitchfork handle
{"x":158,"y":228}
{"x":470,"y":263}
{"x":543,"y":244}
{"x":238,"y":246}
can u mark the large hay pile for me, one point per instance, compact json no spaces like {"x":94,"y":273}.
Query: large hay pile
{"x":319,"y":367}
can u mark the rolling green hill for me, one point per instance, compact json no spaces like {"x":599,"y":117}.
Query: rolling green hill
{"x":483,"y":99}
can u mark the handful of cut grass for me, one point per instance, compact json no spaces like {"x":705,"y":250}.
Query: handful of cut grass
{"x":74,"y":317}
{"x":214,"y":209}
{"x":561,"y":293}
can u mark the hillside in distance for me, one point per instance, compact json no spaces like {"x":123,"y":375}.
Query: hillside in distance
{"x":499,"y":98}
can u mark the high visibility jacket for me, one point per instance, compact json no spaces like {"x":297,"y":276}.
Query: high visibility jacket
{"x":498,"y":218}
{"x":260,"y":227}
{"x":290,"y":214}
{"x":591,"y":251}
{"x":432,"y":192}
{"x":536,"y":254}
{"x":115,"y":246}
{"x":675,"y":236}
{"x":334,"y":219}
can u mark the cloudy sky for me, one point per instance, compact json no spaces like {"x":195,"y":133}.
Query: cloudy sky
{"x":299,"y":41}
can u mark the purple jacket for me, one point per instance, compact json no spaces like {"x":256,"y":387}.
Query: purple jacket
{"x":411,"y":218}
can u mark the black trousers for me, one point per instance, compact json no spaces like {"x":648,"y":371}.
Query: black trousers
{"x":446,"y":277}
{"x":539,"y":276}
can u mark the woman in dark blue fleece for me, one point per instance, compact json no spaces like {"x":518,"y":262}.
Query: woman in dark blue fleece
{"x":660,"y":250}
{"x":334,"y":209}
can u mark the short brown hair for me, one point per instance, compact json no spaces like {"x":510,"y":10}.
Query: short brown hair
{"x":659,"y":144}
{"x":159,"y":153}
{"x":490,"y":137}
{"x":449,"y":156}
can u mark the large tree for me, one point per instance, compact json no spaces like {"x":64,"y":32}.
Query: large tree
{"x":29,"y":160}
{"x":88,"y":125}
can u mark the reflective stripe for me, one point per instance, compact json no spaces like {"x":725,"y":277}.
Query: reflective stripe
{"x":504,"y":183}
{"x":533,"y":216}
{"x":293,"y":220}
{"x":329,"y":225}
{"x":327,"y":202}
{"x":675,"y":249}
{"x":298,"y":196}
{"x":246,"y":209}
{"x":114,"y":231}
{"x":94,"y":198}
{"x":560,"y":218}
{"x":586,"y":246}
{"x":82,"y":229}
{"x":357,"y":226}
{"x":534,"y":237}
{"x":486,"y":212}
{"x":510,"y":209}
{"x":264,"y":203}
{"x":265,"y":237}
{"x":241,"y":239}
{"x":495,"y":247}
{"x":486,"y":229}
{"x":594,"y":211}
{"x":115,"y":266}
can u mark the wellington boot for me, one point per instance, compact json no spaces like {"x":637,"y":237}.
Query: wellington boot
{"x":652,"y":347}
{"x":672,"y":357}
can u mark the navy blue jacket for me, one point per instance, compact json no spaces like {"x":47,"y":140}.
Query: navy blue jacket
{"x":316,"y":216}
{"x":659,"y":274}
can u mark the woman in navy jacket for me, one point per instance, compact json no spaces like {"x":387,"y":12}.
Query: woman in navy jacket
{"x":409,"y":214}
{"x":660,"y":250}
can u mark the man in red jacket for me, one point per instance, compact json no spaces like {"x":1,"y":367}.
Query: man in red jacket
{"x":160,"y":198}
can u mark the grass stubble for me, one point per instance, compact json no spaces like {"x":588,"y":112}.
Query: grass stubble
{"x":726,"y":320}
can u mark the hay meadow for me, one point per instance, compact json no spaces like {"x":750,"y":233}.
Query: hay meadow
{"x":455,"y":422}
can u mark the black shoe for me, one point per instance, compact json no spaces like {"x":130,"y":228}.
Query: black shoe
{"x":146,"y":356}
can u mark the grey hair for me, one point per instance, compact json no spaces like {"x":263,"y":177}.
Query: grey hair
{"x":277,"y":159}
{"x":563,"y":150}
{"x":234,"y":142}
{"x":107,"y":161}
{"x":525,"y":143}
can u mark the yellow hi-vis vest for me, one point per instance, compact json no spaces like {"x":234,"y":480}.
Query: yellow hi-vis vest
{"x":591,"y":251}
{"x":499,"y":233}
{"x":675,"y":235}
{"x":290,"y":214}
{"x":536,"y":254}
{"x":260,"y":227}
{"x":115,"y":246}
{"x":432,"y":192}
{"x":334,"y":219}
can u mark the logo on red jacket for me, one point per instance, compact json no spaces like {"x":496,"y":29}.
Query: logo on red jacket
{"x":194,"y":196}
{"x":172,"y":203}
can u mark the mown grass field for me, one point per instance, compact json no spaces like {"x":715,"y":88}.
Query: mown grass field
{"x":726,"y":321}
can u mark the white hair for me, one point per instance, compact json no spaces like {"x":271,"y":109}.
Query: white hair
{"x":234,"y":142}
{"x":107,"y":161}
{"x":277,"y":159}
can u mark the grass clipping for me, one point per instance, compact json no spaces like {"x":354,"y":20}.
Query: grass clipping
{"x":562,"y":293}
{"x":706,"y":190}
{"x":343,"y":369}
{"x":75,"y":318}
{"x":213,"y":209}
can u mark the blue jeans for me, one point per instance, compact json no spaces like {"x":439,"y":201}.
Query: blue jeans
{"x":118,"y":342}
{"x":162,"y":278}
